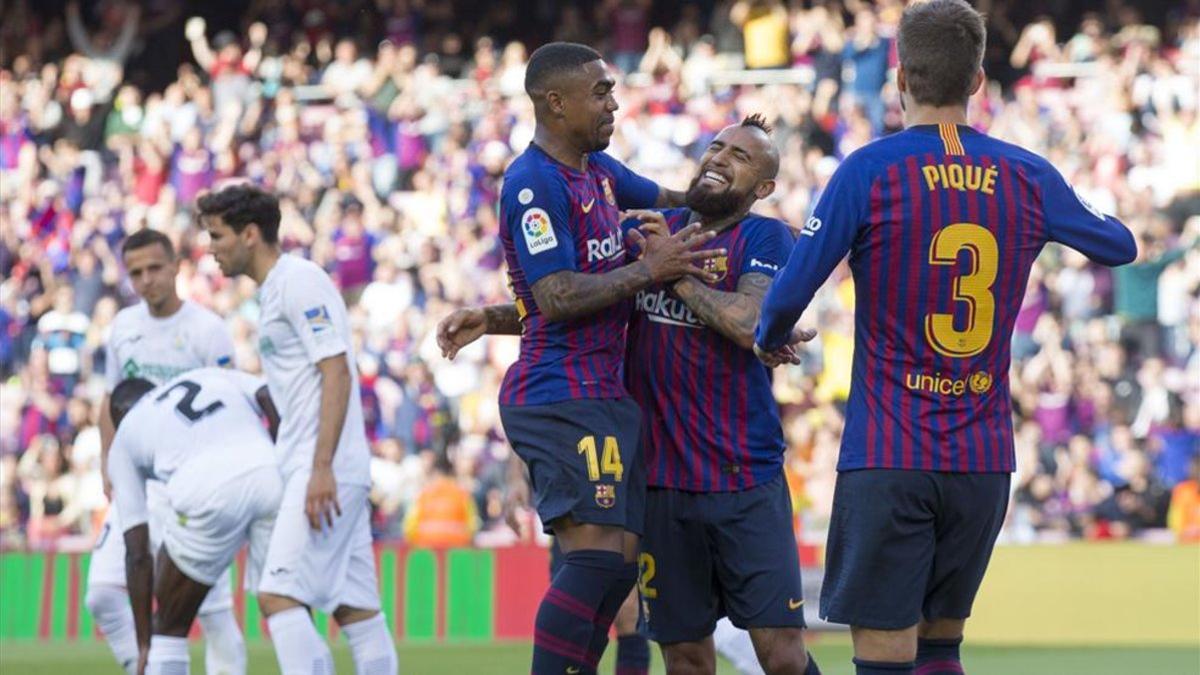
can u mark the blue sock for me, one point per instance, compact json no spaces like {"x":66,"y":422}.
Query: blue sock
{"x":566,"y":620}
{"x":812,"y":668}
{"x":862,"y":667}
{"x":938,"y":657}
{"x":633,"y":654}
{"x":618,"y":590}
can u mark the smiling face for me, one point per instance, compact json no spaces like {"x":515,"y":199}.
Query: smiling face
{"x":587,"y":105}
{"x":737,"y":169}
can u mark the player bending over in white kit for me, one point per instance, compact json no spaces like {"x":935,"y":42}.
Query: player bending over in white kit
{"x":320,"y":554}
{"x":157,"y":339}
{"x":202,"y":436}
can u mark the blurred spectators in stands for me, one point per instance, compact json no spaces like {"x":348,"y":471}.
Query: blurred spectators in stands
{"x":386,"y":131}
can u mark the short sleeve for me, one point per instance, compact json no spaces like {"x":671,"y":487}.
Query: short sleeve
{"x":217,"y":343}
{"x":768,"y":249}
{"x":317,"y":313}
{"x":536,"y":211}
{"x":632,"y":191}
{"x":128,"y":480}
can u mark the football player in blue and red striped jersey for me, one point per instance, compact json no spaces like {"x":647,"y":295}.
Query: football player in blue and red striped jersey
{"x":718,"y":533}
{"x":943,"y":224}
{"x":563,"y":405}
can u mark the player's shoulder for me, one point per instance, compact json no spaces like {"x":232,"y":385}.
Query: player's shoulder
{"x":195,"y":313}
{"x":532,"y":170}
{"x":130,"y":317}
{"x":294,"y":268}
{"x":994,"y":148}
{"x":760,"y":225}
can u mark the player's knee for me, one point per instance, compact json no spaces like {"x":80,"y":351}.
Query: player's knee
{"x":345,"y":616}
{"x":782,"y":658}
{"x":941,"y":629}
{"x":269,"y":603}
{"x":690,"y":658}
{"x":103,"y":601}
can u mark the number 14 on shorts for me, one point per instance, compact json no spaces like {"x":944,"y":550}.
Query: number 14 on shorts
{"x":608,"y":463}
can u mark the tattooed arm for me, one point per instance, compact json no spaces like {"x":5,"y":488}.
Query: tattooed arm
{"x":732,"y":314}
{"x":565,"y":295}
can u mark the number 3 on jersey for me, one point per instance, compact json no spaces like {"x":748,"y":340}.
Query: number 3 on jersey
{"x":973,"y":288}
{"x":610,"y":463}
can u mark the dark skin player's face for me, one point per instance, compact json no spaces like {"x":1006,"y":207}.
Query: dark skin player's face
{"x":588,"y":105}
{"x":736,"y":167}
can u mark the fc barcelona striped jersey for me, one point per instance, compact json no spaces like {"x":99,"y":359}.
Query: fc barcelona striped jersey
{"x":942,"y":224}
{"x":554,"y":218}
{"x":709,"y":419}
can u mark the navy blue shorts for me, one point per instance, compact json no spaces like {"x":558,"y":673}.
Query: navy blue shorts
{"x":906,"y":545}
{"x":584,"y":458}
{"x":711,"y":554}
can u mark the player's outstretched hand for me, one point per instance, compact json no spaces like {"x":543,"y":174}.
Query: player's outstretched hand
{"x":460,"y":329}
{"x":786,"y":354}
{"x":143,"y":660}
{"x":321,"y":502}
{"x":671,"y":256}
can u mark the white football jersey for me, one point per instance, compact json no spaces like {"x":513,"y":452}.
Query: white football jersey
{"x":302,"y":321}
{"x":207,"y":415}
{"x":159,"y":349}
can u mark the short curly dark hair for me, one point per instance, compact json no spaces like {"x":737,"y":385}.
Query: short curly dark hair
{"x":241,"y":205}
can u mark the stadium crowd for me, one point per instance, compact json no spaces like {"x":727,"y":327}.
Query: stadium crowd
{"x":386,"y":130}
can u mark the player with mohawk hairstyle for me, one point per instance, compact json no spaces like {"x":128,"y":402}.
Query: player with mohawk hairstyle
{"x":718,"y":534}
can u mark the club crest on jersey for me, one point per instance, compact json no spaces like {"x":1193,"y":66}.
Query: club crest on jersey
{"x":608,"y":192}
{"x":130,"y":370}
{"x":539,"y":233}
{"x":265,"y":346}
{"x":981,"y":382}
{"x":318,"y":318}
{"x":718,"y":266}
{"x":606,"y":496}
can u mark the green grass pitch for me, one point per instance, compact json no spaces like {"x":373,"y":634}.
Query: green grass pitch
{"x":832,"y":653}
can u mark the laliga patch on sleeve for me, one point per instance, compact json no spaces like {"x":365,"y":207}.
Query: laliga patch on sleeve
{"x":539,"y":234}
{"x":318,"y":319}
{"x":1086,"y":204}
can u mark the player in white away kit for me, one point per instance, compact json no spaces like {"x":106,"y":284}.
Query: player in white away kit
{"x":320,"y":554}
{"x":156,"y":339}
{"x":200,"y":436}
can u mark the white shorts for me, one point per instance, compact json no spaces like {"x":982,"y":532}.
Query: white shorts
{"x":212,"y":520}
{"x":107,"y":566}
{"x":323,"y":569}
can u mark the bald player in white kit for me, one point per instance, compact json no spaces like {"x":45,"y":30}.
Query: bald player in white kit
{"x":320,"y":554}
{"x":201,"y":436}
{"x":156,"y":339}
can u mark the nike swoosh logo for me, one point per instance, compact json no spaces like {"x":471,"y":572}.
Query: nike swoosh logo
{"x":794,"y":604}
{"x":587,"y":208}
{"x":573,"y":669}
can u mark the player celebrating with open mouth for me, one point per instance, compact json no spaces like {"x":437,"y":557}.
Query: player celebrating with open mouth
{"x":718,"y":533}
